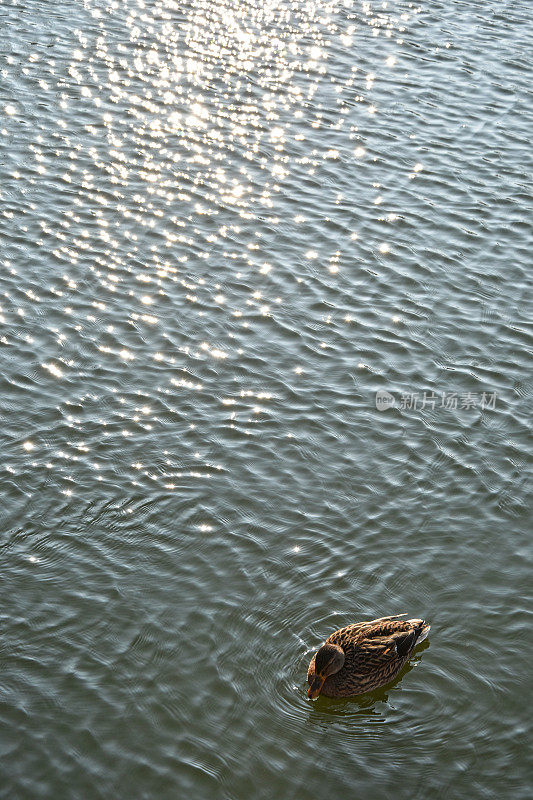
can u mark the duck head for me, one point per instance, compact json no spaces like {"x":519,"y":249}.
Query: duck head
{"x":328,"y":660}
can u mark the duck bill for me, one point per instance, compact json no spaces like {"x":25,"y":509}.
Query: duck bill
{"x":316,"y":687}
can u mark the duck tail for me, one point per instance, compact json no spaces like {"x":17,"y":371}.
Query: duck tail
{"x":422,"y":628}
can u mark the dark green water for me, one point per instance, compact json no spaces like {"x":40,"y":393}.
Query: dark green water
{"x":225,"y":227}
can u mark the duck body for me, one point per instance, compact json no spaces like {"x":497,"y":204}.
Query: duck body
{"x":364,"y":656}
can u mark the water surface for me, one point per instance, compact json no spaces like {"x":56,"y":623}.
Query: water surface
{"x":225,"y":227}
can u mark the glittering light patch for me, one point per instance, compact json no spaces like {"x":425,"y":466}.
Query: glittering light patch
{"x":217,"y":353}
{"x":53,"y":370}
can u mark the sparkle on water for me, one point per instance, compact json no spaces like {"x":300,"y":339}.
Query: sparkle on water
{"x":226,"y":226}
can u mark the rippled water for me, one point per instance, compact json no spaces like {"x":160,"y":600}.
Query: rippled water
{"x":225,"y":227}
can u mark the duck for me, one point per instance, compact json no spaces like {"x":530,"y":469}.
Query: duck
{"x":364,"y":656}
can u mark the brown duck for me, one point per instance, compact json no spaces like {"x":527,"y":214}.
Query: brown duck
{"x":364,"y":656}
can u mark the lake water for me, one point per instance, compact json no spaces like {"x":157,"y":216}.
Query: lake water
{"x":226,"y":226}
